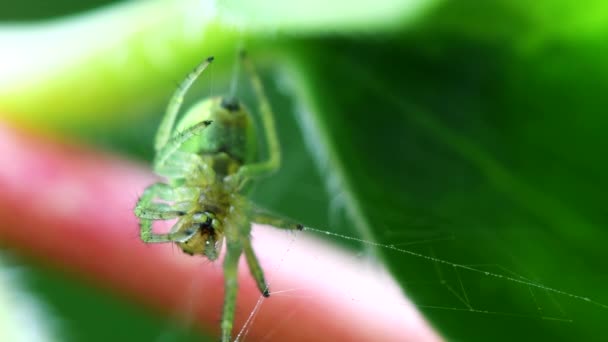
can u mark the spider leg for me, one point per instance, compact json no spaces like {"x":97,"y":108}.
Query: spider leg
{"x":274,"y":152}
{"x":171,"y":147}
{"x":185,"y":165}
{"x":231,"y":263}
{"x":261,"y":216}
{"x":264,"y":217}
{"x":147,"y":211}
{"x":157,"y":211}
{"x":180,"y":196}
{"x":254,"y":267}
{"x":148,"y":236}
{"x":166,"y":126}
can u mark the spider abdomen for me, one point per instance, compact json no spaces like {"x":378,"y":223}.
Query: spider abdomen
{"x":229,"y":142}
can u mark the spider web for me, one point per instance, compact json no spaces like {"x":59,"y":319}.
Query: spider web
{"x":545,"y":301}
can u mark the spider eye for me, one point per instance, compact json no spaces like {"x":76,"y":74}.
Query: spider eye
{"x":230,"y":104}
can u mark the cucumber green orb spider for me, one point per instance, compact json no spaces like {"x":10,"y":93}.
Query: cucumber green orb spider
{"x":207,"y":159}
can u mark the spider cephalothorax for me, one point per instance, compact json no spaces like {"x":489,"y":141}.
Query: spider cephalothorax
{"x":207,"y":158}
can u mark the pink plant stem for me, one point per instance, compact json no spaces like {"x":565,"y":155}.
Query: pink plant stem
{"x":71,"y":208}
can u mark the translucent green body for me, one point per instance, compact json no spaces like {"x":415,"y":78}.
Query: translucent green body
{"x":207,"y":159}
{"x":231,"y":135}
{"x":226,"y":145}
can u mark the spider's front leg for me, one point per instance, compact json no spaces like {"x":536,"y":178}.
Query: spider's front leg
{"x":166,"y":127}
{"x":174,"y":164}
{"x":187,"y":166}
{"x":168,"y":141}
{"x":148,"y":211}
{"x":172,"y":146}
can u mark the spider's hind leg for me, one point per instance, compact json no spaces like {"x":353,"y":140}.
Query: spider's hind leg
{"x":273,"y":161}
{"x":231,"y":264}
{"x":262,"y":216}
{"x":254,"y":267}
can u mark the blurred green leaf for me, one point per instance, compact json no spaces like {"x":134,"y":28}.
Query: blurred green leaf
{"x":101,"y":66}
{"x":478,"y":126}
{"x":437,"y":134}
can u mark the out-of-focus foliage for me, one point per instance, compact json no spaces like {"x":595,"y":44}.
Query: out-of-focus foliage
{"x":22,"y":318}
{"x":479,"y":121}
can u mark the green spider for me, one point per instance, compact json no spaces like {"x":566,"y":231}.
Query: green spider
{"x":207,"y":159}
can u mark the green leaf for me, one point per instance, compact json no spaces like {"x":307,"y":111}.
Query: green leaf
{"x":97,"y":68}
{"x":497,"y":150}
{"x":320,"y":17}
{"x":480,"y":127}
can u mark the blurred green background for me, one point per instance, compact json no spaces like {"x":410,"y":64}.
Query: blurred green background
{"x":477,"y":126}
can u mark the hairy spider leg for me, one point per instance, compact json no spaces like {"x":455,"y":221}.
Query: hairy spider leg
{"x":171,"y":163}
{"x":187,"y":166}
{"x":173,"y":144}
{"x":166,"y":126}
{"x":148,"y":211}
{"x":231,"y":263}
{"x":262,"y":216}
{"x":273,"y":162}
{"x":233,"y":252}
{"x":254,"y":268}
